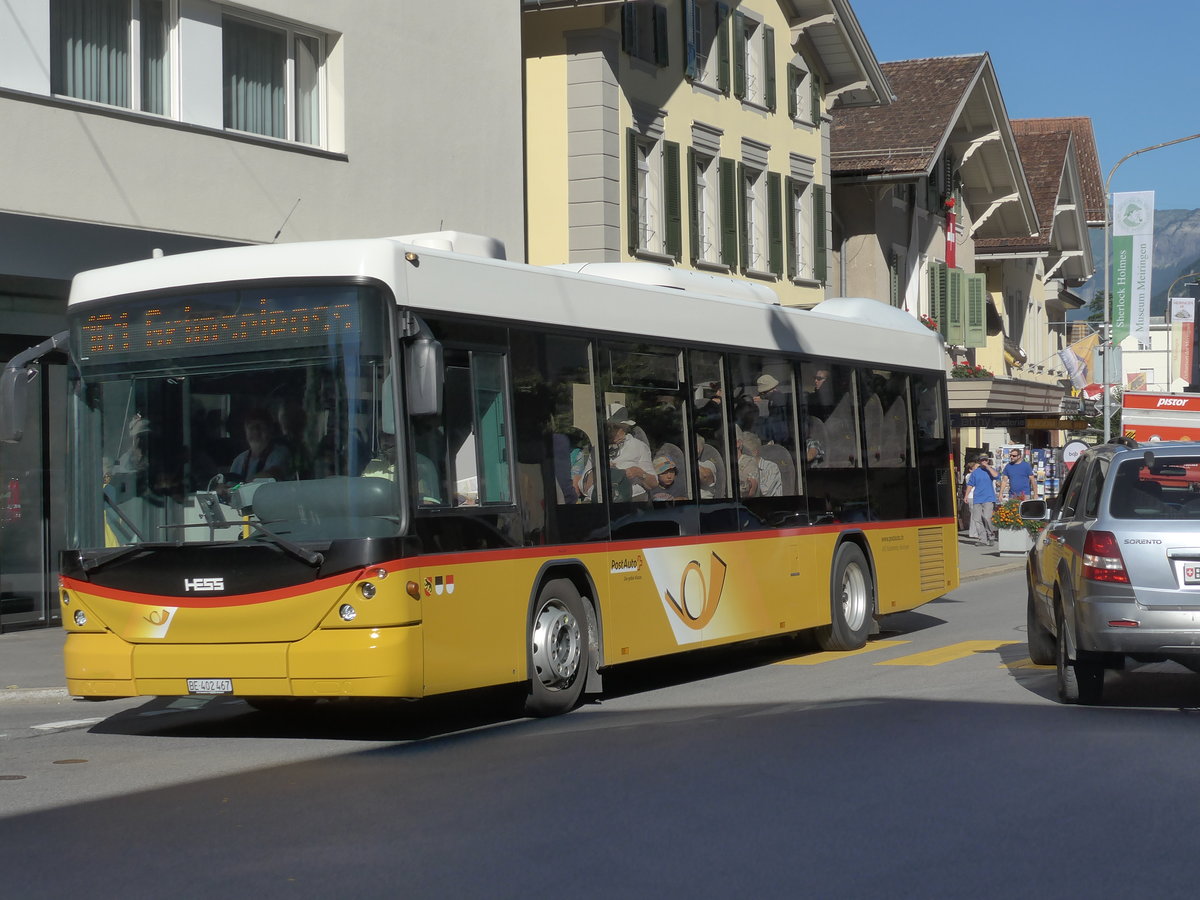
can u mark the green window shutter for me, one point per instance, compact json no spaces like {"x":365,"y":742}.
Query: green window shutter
{"x":729,"y":212}
{"x":723,"y":63}
{"x":631,"y":189}
{"x":629,"y":28}
{"x":743,"y":218}
{"x":818,"y":204}
{"x":769,"y":66}
{"x":814,"y":86}
{"x":956,"y":303}
{"x":693,"y":207}
{"x":775,"y":223}
{"x":790,"y":186}
{"x":690,"y":39}
{"x":976,"y":311}
{"x":661,"y":41}
{"x":739,"y":55}
{"x":793,"y":81}
{"x":674,"y":209}
{"x":937,"y":294}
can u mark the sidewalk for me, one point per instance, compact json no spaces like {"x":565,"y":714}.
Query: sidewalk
{"x":31,"y":661}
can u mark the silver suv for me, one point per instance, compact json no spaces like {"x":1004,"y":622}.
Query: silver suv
{"x":1116,"y":570}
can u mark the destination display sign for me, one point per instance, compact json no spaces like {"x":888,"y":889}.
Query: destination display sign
{"x":219,"y":322}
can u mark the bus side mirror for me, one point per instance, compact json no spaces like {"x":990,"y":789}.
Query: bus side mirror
{"x":424,"y":377}
{"x":17,"y":382}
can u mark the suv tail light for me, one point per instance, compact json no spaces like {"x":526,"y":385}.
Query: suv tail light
{"x":1102,"y":558}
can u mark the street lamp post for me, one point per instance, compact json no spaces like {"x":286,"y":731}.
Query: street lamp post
{"x":1106,"y":341}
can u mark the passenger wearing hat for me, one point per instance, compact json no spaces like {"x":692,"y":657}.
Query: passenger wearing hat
{"x":670,"y":485}
{"x":774,"y":423}
{"x":630,"y":455}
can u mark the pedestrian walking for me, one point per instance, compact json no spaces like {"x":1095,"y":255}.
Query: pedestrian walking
{"x":982,"y":483}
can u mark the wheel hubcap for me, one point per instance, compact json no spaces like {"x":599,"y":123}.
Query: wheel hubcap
{"x":557,"y":645}
{"x":854,"y":597}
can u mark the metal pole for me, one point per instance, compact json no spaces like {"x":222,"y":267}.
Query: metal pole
{"x":1106,"y":338}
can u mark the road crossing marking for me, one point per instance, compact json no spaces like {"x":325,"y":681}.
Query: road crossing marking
{"x":814,"y":659}
{"x":950,"y":653}
{"x":1025,"y":663}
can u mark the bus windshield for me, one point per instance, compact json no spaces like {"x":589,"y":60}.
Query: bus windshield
{"x":262,"y":413}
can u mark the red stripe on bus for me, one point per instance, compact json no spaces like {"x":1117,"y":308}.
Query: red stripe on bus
{"x":442,"y":560}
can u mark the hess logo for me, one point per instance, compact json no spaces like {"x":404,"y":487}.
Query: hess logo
{"x":204,"y":584}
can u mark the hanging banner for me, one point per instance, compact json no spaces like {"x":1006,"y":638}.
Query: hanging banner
{"x":1186,"y":343}
{"x":1078,"y":359}
{"x":1132,"y":256}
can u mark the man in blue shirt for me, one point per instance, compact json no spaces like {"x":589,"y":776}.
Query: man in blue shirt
{"x":1017,"y":479}
{"x":983,"y":500}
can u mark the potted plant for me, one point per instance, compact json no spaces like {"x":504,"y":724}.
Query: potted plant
{"x":1015,"y":535}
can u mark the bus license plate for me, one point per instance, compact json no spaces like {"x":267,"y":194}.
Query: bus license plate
{"x":1191,"y":573}
{"x":210,"y":685}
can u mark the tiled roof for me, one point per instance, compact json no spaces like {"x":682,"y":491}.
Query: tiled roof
{"x":1043,"y":156}
{"x":904,"y":136}
{"x":1085,"y":151}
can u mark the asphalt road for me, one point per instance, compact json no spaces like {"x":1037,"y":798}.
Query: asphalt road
{"x":934,"y":764}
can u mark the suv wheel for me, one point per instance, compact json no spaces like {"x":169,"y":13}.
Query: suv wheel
{"x":1039,"y":638}
{"x":1079,"y":681}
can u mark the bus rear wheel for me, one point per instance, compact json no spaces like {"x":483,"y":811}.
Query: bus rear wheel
{"x":851,"y":600}
{"x":558,"y":650}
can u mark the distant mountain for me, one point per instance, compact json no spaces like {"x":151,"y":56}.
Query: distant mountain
{"x":1176,"y":253}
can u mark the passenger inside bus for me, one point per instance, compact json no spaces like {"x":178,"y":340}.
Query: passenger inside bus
{"x":629,"y":460}
{"x":266,"y":455}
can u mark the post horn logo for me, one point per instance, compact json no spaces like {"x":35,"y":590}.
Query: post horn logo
{"x":696,"y":608}
{"x":158,"y":617}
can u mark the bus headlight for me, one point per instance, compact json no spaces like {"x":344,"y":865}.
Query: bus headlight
{"x":367,"y":590}
{"x":80,"y":618}
{"x":347,"y":612}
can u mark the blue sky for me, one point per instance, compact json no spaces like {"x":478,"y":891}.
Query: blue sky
{"x":1126,"y":65}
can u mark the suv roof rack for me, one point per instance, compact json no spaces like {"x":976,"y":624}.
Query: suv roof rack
{"x":1123,"y":441}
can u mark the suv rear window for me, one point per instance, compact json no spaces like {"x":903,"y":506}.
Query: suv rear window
{"x":1169,"y":488}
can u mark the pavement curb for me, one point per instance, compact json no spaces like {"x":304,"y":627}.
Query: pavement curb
{"x":14,"y":694}
{"x":1015,"y":566}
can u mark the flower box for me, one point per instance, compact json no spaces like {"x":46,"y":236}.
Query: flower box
{"x":1014,"y":541}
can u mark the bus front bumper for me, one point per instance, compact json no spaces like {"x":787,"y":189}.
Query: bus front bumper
{"x":342,"y":662}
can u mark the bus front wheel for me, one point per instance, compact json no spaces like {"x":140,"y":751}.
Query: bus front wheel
{"x":558,"y":649}
{"x":851,"y":600}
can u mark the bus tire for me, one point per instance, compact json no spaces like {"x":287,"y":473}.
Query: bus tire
{"x":851,"y":601}
{"x":558,"y":648}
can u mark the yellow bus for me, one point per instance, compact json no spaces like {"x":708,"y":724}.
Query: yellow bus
{"x":404,"y":467}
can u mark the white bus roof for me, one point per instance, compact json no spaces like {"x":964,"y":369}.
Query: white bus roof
{"x":476,"y":283}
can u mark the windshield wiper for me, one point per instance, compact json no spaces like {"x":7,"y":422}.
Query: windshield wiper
{"x":92,"y":561}
{"x":311,"y":557}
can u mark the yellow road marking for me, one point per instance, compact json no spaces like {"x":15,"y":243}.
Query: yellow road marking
{"x":1025,"y":663}
{"x":961,"y":650}
{"x":814,"y":659}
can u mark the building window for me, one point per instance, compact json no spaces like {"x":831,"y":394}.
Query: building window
{"x":800,"y":229}
{"x":706,"y":208}
{"x":272,"y":78}
{"x":707,"y":43}
{"x":655,"y":210}
{"x":111,"y":51}
{"x":644,"y":31}
{"x":761,"y":222}
{"x":753,"y":61}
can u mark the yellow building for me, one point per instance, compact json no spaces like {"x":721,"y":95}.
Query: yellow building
{"x":693,"y":133}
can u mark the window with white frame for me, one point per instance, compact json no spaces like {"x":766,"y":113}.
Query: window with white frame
{"x":112,"y":51}
{"x":753,"y":61}
{"x":707,"y":214}
{"x":706,"y":50}
{"x":800,"y":229}
{"x":273,"y":77}
{"x":801,"y":106}
{"x":754,"y":219}
{"x":653,"y":197}
{"x":649,"y":195}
